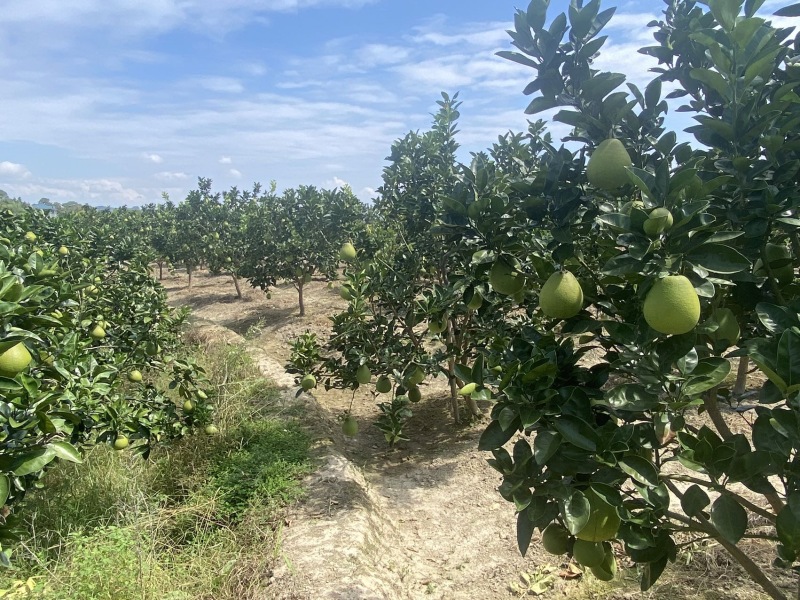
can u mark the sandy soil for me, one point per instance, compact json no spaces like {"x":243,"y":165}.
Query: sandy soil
{"x":423,"y":520}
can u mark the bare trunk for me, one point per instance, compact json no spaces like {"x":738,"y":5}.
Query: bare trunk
{"x":189,"y":272}
{"x":236,"y":285}
{"x":299,"y":286}
{"x":741,"y":376}
{"x":712,"y":408}
{"x":451,"y":374}
{"x":160,"y":270}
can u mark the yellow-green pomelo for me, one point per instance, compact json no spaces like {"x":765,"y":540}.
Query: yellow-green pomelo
{"x":308,"y":382}
{"x":776,"y":252}
{"x":363,"y":374}
{"x":344,"y":293}
{"x":607,"y":569}
{"x":63,"y":251}
{"x":672,"y":306}
{"x":121,"y":442}
{"x":188,"y":406}
{"x":606,"y":168}
{"x":414,"y":394}
{"x":588,"y":554}
{"x":561,"y":296}
{"x":202,"y":395}
{"x":728,"y":329}
{"x":30,"y":237}
{"x":555,"y":538}
{"x":211,"y":429}
{"x":14,"y":360}
{"x":468,"y":389}
{"x":653,"y":227}
{"x":662,"y":215}
{"x":135,"y":376}
{"x":505,"y":278}
{"x":97,"y":333}
{"x":348,"y":252}
{"x":383,"y":385}
{"x":437,"y":325}
{"x":603,"y":522}
{"x":415,"y":377}
{"x":350,"y":426}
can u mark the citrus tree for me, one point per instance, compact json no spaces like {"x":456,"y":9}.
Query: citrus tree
{"x":654,"y":263}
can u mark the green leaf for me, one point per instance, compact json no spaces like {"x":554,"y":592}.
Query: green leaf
{"x":34,"y":461}
{"x":537,"y":105}
{"x":708,"y":373}
{"x":719,"y":258}
{"x":525,"y":529}
{"x":788,"y":359}
{"x":651,"y":572}
{"x":577,"y":432}
{"x":787,"y":524}
{"x":494,"y":436}
{"x":713,"y":80}
{"x":631,"y":396}
{"x":730,"y":519}
{"x":545,"y":445}
{"x":576,"y":510}
{"x":694,"y":500}
{"x":66,"y":451}
{"x":725,"y":12}
{"x":602,"y":84}
{"x":793,"y":10}
{"x":640,"y":469}
{"x":751,"y":6}
{"x":5,"y":488}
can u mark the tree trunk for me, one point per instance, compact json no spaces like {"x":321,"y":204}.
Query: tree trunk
{"x":741,"y":376}
{"x":160,"y":270}
{"x":238,"y":288}
{"x":189,"y":271}
{"x":451,"y":374}
{"x":299,"y":286}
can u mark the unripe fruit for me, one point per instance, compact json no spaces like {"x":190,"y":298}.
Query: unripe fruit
{"x":211,"y":429}
{"x":30,"y":237}
{"x":561,"y":296}
{"x":414,"y":394}
{"x":121,"y":442}
{"x":135,"y":376}
{"x":475,"y":302}
{"x":672,"y":306}
{"x":344,"y":293}
{"x":202,"y":395}
{"x":363,"y":375}
{"x":308,"y":382}
{"x":505,"y":278}
{"x":588,"y":554}
{"x":437,"y":325}
{"x":97,"y":333}
{"x":14,"y":360}
{"x":606,"y":168}
{"x":348,"y":252}
{"x":383,"y":385}
{"x":350,"y":426}
{"x":607,"y":569}
{"x":63,"y":251}
{"x":555,"y":538}
{"x":603,"y":522}
{"x":188,"y":406}
{"x":776,"y":252}
{"x":415,"y":377}
{"x":662,"y":214}
{"x":468,"y":389}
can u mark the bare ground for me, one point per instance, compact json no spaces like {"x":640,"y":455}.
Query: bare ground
{"x":423,"y":520}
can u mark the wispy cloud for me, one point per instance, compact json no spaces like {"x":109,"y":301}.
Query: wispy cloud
{"x":153,"y":158}
{"x":14,"y":169}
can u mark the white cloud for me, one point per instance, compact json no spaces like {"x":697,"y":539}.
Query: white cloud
{"x":335,"y":182}
{"x":225,"y":160}
{"x":154,"y":158}
{"x":14,"y":169}
{"x":224,"y":85}
{"x":235,"y":172}
{"x":172,"y":176}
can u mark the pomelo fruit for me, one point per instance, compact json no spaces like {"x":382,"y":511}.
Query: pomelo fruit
{"x":437,"y":325}
{"x":202,"y":395}
{"x":663,"y":215}
{"x":561,"y":296}
{"x":30,"y":237}
{"x":555,"y":538}
{"x":415,"y":376}
{"x":776,"y":252}
{"x":63,"y":251}
{"x":672,"y":306}
{"x":350,"y":426}
{"x":211,"y":429}
{"x":468,"y":389}
{"x":588,"y":554}
{"x":97,"y":333}
{"x":121,"y":442}
{"x":363,"y":375}
{"x":308,"y":382}
{"x":414,"y":394}
{"x":505,"y":278}
{"x":475,"y":302}
{"x":14,"y":360}
{"x":347,"y":252}
{"x":188,"y":406}
{"x":344,"y":293}
{"x":606,"y":168}
{"x":728,"y":330}
{"x":603,"y":522}
{"x":135,"y":376}
{"x":383,"y":385}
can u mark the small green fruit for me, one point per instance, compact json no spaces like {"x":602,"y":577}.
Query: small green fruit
{"x":468,"y":389}
{"x":135,"y":376}
{"x":97,"y":333}
{"x":348,"y":252}
{"x":188,"y":406}
{"x":437,"y":325}
{"x":606,"y":168}
{"x":383,"y":385}
{"x":30,"y":237}
{"x":308,"y":382}
{"x":475,"y":302}
{"x":415,"y":377}
{"x":414,"y":394}
{"x":555,"y":539}
{"x":363,"y":375}
{"x":211,"y":429}
{"x":672,"y":306}
{"x":14,"y":360}
{"x":728,"y":330}
{"x":561,"y":296}
{"x":121,"y":442}
{"x":506,"y":278}
{"x":776,"y":253}
{"x":63,"y":251}
{"x":345,"y":294}
{"x":202,"y":395}
{"x":350,"y":426}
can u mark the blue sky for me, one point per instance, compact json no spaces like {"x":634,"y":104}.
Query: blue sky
{"x":116,"y":101}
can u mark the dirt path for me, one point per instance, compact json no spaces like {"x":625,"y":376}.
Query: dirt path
{"x":421,"y":521}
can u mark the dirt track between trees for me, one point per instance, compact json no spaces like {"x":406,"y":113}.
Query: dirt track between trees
{"x":423,"y":520}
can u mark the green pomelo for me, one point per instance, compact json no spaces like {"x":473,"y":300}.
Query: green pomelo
{"x":505,"y":278}
{"x":97,"y":333}
{"x":555,"y":538}
{"x":664,"y":216}
{"x":135,"y":376}
{"x":348,"y":252}
{"x":383,"y":385}
{"x":415,"y":377}
{"x":14,"y":360}
{"x":211,"y":429}
{"x":308,"y":382}
{"x":437,"y":325}
{"x":188,"y":406}
{"x":653,"y":227}
{"x":606,"y":168}
{"x":363,"y":375}
{"x":672,"y":306}
{"x":588,"y":554}
{"x":468,"y":389}
{"x":344,"y":293}
{"x":728,"y":330}
{"x":414,"y":394}
{"x":776,"y":253}
{"x":561,"y":296}
{"x":121,"y":442}
{"x":475,"y":302}
{"x":603,"y":522}
{"x":350,"y":426}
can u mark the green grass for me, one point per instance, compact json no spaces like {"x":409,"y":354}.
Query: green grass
{"x":195,"y":521}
